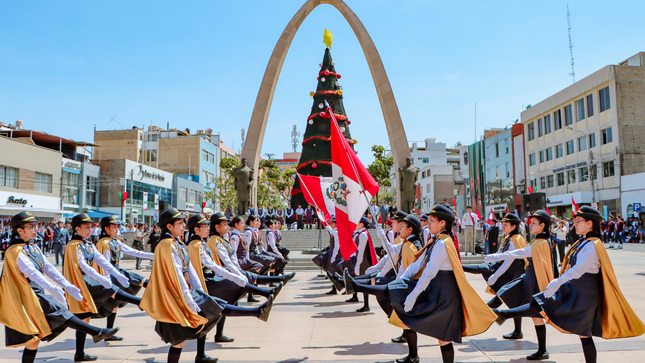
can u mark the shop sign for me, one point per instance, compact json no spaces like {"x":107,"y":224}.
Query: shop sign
{"x":16,"y":201}
{"x":569,"y":167}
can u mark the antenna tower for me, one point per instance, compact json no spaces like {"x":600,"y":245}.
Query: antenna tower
{"x":573,"y":72}
{"x":295,"y":137}
{"x":242,"y":135}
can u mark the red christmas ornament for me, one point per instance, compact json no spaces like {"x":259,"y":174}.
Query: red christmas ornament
{"x":326,"y":72}
{"x":314,"y":165}
{"x":322,"y":114}
{"x":337,"y":75}
{"x":317,"y":78}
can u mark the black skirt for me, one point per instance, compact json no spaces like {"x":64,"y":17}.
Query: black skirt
{"x":338,"y":265}
{"x":135,"y":283}
{"x":520,"y":291}
{"x":211,"y":309}
{"x":249,"y":265}
{"x":514,"y":271}
{"x":102,"y":297}
{"x":262,"y":259}
{"x":437,"y":313}
{"x":224,"y":289}
{"x":56,"y":314}
{"x":284,"y":251}
{"x":323,"y":259}
{"x":576,"y":306}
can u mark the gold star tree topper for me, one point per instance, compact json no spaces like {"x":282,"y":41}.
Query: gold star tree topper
{"x":327,"y":38}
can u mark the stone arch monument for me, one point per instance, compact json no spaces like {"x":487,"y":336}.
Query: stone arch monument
{"x":257,"y":125}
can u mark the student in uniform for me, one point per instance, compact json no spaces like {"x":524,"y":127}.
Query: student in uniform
{"x":175,"y":298}
{"x":541,"y":268}
{"x":28,"y":313}
{"x":433,"y":297}
{"x":497,"y":274}
{"x":364,"y":257}
{"x":254,"y":240}
{"x":586,"y":299}
{"x":329,"y":258}
{"x":425,"y":233}
{"x":111,"y":247}
{"x":100,"y":296}
{"x":271,"y":248}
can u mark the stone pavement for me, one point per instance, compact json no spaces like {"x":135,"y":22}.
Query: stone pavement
{"x":308,"y":326}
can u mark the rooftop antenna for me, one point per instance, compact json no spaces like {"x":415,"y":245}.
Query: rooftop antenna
{"x":112,"y":119}
{"x":573,"y":72}
{"x":295,"y":137}
{"x":242,"y":135}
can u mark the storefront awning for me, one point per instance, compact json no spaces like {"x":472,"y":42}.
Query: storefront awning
{"x":98,"y":214}
{"x":37,"y":212}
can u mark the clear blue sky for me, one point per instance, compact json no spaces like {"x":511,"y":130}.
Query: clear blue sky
{"x":69,"y":65}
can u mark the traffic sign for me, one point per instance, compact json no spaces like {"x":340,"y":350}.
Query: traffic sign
{"x":637,"y":207}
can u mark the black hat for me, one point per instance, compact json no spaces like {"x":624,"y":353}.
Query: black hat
{"x":106,"y":221}
{"x":80,"y":219}
{"x":512,"y":218}
{"x":588,"y":213}
{"x":196,"y":220}
{"x":169,"y":216}
{"x":442,"y":212}
{"x":365,"y":221}
{"x":218,"y":217}
{"x":413,"y":222}
{"x":399,"y":215}
{"x":424,"y":218}
{"x":22,"y":218}
{"x":332,"y":219}
{"x":542,"y":216}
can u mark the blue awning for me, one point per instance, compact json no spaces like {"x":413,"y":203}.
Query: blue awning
{"x":98,"y":214}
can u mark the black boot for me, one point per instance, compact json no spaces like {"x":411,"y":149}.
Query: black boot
{"x":517,"y":333}
{"x":399,"y":339}
{"x":201,"y":356}
{"x":366,"y":304}
{"x":541,"y":353}
{"x":448,"y":353}
{"x":338,"y":284}
{"x":80,"y":355}
{"x":219,"y":334}
{"x":349,"y":285}
{"x":413,"y":355}
{"x":354,"y":298}
{"x":251,"y":299}
{"x":29,"y":355}
{"x":110,"y":324}
{"x":589,"y":349}
{"x":333,"y":291}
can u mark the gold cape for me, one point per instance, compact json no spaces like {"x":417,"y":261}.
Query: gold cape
{"x":618,"y":318}
{"x":478,"y":317}
{"x":19,"y":306}
{"x":212,"y":243}
{"x":518,"y":242}
{"x":195,"y":259}
{"x":102,"y":245}
{"x":73,"y":274}
{"x":408,"y":254}
{"x":541,"y":255}
{"x":163,"y":299}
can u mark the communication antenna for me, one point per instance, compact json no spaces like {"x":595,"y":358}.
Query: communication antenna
{"x":242,"y":135}
{"x":573,"y":72}
{"x":295,"y":137}
{"x":112,"y":119}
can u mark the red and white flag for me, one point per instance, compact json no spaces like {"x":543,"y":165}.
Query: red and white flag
{"x":317,"y":192}
{"x":575,"y":206}
{"x":353,"y":187}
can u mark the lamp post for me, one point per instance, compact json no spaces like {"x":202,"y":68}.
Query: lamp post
{"x":590,"y":164}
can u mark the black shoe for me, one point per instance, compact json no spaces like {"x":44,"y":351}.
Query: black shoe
{"x":352,"y":299}
{"x":538,"y":356}
{"x":514,"y":335}
{"x":205,"y":359}
{"x":364,"y":309}
{"x":104,"y":334}
{"x":114,"y":338}
{"x":265,"y":309}
{"x":252,"y":299}
{"x":500,"y":317}
{"x":85,"y":358}
{"x":288,"y":277}
{"x":399,"y":339}
{"x":408,"y":359}
{"x":223,"y":339}
{"x":333,"y":291}
{"x":349,"y":286}
{"x":276,"y":290}
{"x":338,"y":284}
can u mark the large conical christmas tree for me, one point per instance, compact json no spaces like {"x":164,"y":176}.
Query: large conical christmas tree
{"x":316,"y":147}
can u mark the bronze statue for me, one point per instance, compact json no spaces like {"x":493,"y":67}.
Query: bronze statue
{"x":408,"y":185}
{"x":243,"y":185}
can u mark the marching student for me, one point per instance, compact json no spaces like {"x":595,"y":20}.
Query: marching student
{"x":425,"y":232}
{"x":433,"y":297}
{"x":586,"y":299}
{"x":541,"y":268}
{"x":28,"y":313}
{"x":331,"y":257}
{"x":175,"y":297}
{"x":254,"y":240}
{"x":111,"y":247}
{"x":499,"y":273}
{"x":272,"y":239}
{"x":364,"y":257}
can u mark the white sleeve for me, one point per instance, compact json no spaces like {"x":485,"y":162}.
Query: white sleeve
{"x":362,"y":242}
{"x":193,"y":278}
{"x":235,"y":241}
{"x":29,"y":270}
{"x":231,"y":264}
{"x":415,"y":266}
{"x":127,"y":250}
{"x":53,"y":273}
{"x":89,"y":270}
{"x":107,"y":255}
{"x":271,"y":243}
{"x":208,"y":262}
{"x":185,"y":290}
{"x":508,"y":262}
{"x":511,"y":254}
{"x":390,"y":236}
{"x":334,"y":253}
{"x":100,"y":260}
{"x":437,"y":261}
{"x":385,"y":265}
{"x":426,"y":233}
{"x":587,"y":261}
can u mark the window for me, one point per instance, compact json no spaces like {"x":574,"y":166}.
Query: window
{"x":90,"y":192}
{"x":531,"y":159}
{"x":543,"y":182}
{"x":549,"y":181}
{"x":568,"y":115}
{"x":547,"y":124}
{"x":559,"y":151}
{"x":426,"y":160}
{"x":70,"y":187}
{"x":592,"y":140}
{"x":604,"y":99}
{"x":606,"y":136}
{"x":589,"y":105}
{"x":608,"y":169}
{"x":43,"y":182}
{"x":534,"y":184}
{"x":531,"y":131}
{"x":183,"y":194}
{"x":540,"y":127}
{"x":150,"y":156}
{"x":557,"y":119}
{"x":497,"y":149}
{"x":570,"y":147}
{"x":549,"y":154}
{"x":580,"y":109}
{"x":582,"y":143}
{"x":584,"y":174}
{"x":8,"y":177}
{"x":204,"y":155}
{"x":542,"y":156}
{"x":152,"y":137}
{"x":560,"y":179}
{"x":571,"y":177}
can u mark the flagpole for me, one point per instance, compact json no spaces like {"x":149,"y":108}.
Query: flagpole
{"x":360,"y":182}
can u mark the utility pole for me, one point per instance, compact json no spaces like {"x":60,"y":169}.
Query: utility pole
{"x":573,"y":72}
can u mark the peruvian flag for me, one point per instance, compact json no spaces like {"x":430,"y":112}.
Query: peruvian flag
{"x":353,"y":188}
{"x":575,"y":206}
{"x":548,"y":211}
{"x":317,"y":193}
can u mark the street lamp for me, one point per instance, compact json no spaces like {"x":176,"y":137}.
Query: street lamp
{"x":589,"y":166}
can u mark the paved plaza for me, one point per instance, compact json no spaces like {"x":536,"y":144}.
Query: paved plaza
{"x":308,"y":326}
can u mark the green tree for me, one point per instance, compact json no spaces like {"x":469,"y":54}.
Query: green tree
{"x":274,"y":185}
{"x":381,"y":169}
{"x":224,"y":190}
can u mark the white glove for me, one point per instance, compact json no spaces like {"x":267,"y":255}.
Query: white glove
{"x":239,"y":280}
{"x":381,"y":233}
{"x":551,"y":288}
{"x":493,"y":257}
{"x":410,"y":301}
{"x":492,"y":280}
{"x":75,"y":292}
{"x":357,"y":270}
{"x":371,"y":269}
{"x":58,"y":294}
{"x":123,"y":280}
{"x":105,"y":282}
{"x":194,"y":307}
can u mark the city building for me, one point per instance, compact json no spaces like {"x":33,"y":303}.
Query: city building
{"x":437,"y":182}
{"x":580,"y":141}
{"x":498,"y":172}
{"x":288,"y":161}
{"x":189,"y":194}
